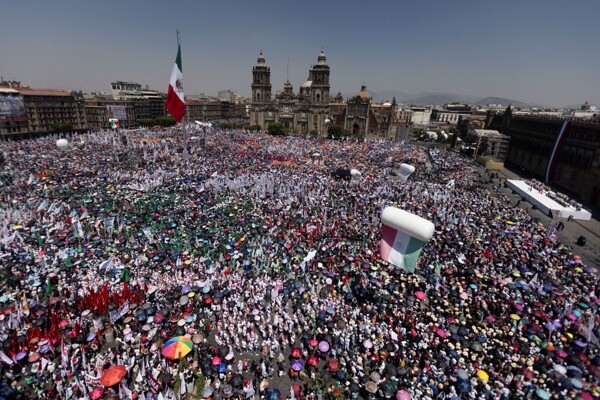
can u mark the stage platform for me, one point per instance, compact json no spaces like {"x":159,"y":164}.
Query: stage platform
{"x":546,"y":204}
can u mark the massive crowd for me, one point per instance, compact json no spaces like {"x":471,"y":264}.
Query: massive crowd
{"x":268,"y":264}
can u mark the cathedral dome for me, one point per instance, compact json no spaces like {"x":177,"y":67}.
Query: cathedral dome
{"x":261,"y":59}
{"x":363,"y":94}
{"x":322,"y":60}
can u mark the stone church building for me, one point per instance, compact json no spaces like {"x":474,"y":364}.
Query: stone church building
{"x":313,"y":110}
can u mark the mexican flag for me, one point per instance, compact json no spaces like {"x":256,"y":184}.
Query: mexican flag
{"x":175,"y":99}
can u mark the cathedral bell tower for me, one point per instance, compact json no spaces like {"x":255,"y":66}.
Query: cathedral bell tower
{"x":261,"y":81}
{"x":319,"y":76}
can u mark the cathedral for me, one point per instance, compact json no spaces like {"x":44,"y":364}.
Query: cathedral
{"x":312,"y":110}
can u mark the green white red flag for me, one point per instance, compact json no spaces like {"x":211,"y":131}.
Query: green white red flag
{"x":175,"y":99}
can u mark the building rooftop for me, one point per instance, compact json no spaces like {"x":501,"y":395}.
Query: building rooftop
{"x":44,"y":92}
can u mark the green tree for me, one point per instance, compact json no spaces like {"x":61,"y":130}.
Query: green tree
{"x":62,"y":127}
{"x":418,"y":132}
{"x":255,"y":127}
{"x":146,"y":122}
{"x":165,"y":121}
{"x":335,"y":130}
{"x":276,"y":128}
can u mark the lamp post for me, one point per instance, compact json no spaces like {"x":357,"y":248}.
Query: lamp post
{"x":326,"y":125}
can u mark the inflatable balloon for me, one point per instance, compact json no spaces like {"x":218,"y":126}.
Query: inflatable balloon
{"x":405,"y":171}
{"x":62,"y":143}
{"x":403,"y":236}
{"x":355,"y":172}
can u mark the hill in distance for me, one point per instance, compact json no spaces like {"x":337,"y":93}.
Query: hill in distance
{"x":428,"y":98}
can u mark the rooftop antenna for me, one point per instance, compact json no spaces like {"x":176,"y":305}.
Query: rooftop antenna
{"x":287,"y":71}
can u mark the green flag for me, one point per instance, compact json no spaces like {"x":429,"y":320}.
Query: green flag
{"x":124,"y":275}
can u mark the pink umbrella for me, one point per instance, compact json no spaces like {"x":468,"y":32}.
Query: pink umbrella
{"x":585,"y":396}
{"x":420,"y":295}
{"x":323,"y":346}
{"x":561,"y":354}
{"x":490,"y":319}
{"x":96,"y":393}
{"x":441,"y":333}
{"x":572,"y":317}
{"x":464,"y":295}
{"x":403,"y":395}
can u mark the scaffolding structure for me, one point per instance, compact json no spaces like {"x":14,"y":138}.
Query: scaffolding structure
{"x":491,"y":145}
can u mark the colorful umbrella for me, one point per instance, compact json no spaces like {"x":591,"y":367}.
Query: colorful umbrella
{"x":324,"y":346}
{"x":296,"y":352}
{"x":312,"y":360}
{"x":177,"y":347}
{"x":216,"y":361}
{"x":96,"y":393}
{"x":297,"y":365}
{"x":113,"y":375}
{"x":333,"y":365}
{"x":403,"y":395}
{"x":481,"y":374}
{"x":542,"y":394}
{"x":420,"y":295}
{"x":515,"y":317}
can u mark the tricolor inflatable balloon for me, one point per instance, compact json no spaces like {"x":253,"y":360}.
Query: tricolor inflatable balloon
{"x":405,"y":171}
{"x":403,"y":236}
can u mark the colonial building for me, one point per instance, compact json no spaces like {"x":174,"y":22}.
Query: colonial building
{"x":312,"y":110}
{"x":366,"y":119}
{"x":564,"y":153}
{"x":450,"y":113}
{"x":43,"y":110}
{"x":301,"y":113}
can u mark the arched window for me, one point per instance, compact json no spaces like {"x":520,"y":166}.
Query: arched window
{"x":318,"y":97}
{"x":258,"y":96}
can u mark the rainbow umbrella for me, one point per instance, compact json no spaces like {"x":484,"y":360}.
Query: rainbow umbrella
{"x":177,"y":347}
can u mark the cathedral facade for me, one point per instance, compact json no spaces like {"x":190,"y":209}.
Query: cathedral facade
{"x":301,"y":113}
{"x":312,"y":110}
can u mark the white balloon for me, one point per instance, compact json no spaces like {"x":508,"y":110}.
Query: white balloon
{"x":355,"y":172}
{"x":62,"y":143}
{"x":405,"y":171}
{"x":411,"y":224}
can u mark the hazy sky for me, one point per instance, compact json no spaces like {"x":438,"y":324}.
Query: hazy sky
{"x":545,"y":52}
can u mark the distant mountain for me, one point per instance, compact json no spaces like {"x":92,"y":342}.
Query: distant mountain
{"x":428,"y":98}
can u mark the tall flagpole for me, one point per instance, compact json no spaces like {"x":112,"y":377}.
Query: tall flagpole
{"x":183,"y":124}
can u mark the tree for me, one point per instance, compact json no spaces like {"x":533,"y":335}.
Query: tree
{"x":165,"y":121}
{"x":418,"y":132}
{"x":255,"y":127}
{"x":335,"y":130}
{"x":227,"y":125}
{"x":338,"y":131}
{"x":62,"y":127}
{"x":276,"y":128}
{"x":146,"y":122}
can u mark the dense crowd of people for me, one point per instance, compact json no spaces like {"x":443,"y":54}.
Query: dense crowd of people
{"x":561,"y":198}
{"x":261,"y":256}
